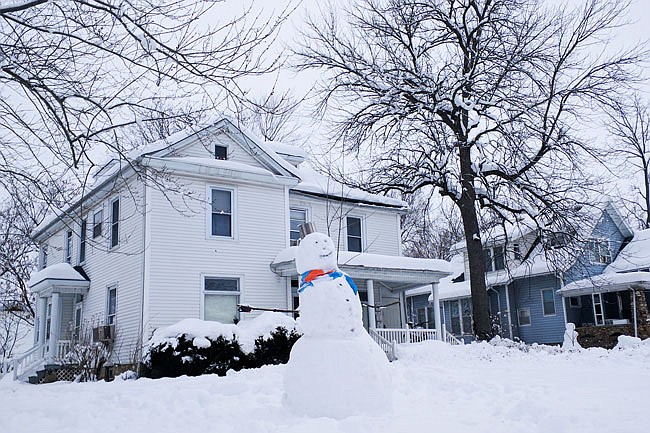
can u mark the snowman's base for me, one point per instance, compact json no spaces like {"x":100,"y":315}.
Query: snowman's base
{"x":337,"y":377}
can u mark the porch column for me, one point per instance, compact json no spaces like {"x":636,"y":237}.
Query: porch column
{"x":436,"y":311}
{"x":42,"y":320}
{"x":55,"y":325}
{"x":636,"y":331}
{"x":402,"y":309}
{"x":372,"y":314}
{"x":508,"y":311}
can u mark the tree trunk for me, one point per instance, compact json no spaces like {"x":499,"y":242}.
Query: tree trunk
{"x":467,"y":205}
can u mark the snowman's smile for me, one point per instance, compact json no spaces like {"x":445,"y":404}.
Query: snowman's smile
{"x":326,"y":255}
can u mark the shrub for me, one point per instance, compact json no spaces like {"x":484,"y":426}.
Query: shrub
{"x":274,"y":350}
{"x":190,"y":356}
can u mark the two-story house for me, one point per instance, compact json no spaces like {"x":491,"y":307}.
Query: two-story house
{"x":529,"y":281}
{"x":199,"y":223}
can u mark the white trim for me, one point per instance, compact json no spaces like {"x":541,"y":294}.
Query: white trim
{"x":530,"y":319}
{"x":541,"y":292}
{"x":234,"y":226}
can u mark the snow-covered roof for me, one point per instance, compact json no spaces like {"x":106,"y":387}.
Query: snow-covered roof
{"x":635,"y":255}
{"x":282,"y":149}
{"x":60,"y":271}
{"x":607,"y":282}
{"x":369,"y":260}
{"x":319,"y":184}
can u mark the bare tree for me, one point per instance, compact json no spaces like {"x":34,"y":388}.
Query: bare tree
{"x":429,"y":231}
{"x":273,"y":117}
{"x":477,"y":98}
{"x":75,"y":74}
{"x":629,"y":125}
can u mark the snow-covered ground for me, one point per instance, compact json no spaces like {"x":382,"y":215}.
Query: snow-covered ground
{"x":473,"y":388}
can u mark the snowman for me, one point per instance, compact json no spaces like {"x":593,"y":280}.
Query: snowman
{"x":335,"y":368}
{"x":570,"y":338}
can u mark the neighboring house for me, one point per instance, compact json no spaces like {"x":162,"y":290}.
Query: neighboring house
{"x":206,"y":224}
{"x":527,"y":279}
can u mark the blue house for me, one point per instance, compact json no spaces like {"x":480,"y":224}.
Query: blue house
{"x":527,"y":275}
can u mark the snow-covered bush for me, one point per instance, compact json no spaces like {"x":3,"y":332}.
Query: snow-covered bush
{"x":193,"y":347}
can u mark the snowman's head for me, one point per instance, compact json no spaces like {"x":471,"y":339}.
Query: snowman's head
{"x":316,"y":251}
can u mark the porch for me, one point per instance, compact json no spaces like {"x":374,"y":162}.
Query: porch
{"x":382,"y":281}
{"x":60,"y":289}
{"x":607,"y":306}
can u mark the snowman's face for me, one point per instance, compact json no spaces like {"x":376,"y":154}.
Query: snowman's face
{"x":316,"y":251}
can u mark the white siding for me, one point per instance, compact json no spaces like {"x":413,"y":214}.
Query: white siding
{"x":380,"y":226}
{"x":104,"y":266}
{"x":181,"y":251}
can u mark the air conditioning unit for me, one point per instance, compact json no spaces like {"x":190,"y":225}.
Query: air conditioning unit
{"x":104,"y":333}
{"x":617,"y":322}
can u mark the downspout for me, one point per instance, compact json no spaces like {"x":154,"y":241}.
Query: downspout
{"x":142,"y":273}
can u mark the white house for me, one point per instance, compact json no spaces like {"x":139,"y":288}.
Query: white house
{"x":194,"y":225}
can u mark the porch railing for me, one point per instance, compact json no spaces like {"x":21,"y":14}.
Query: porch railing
{"x":22,"y":363}
{"x":449,"y":338}
{"x":62,"y":349}
{"x":387,"y":346}
{"x":404,"y":336}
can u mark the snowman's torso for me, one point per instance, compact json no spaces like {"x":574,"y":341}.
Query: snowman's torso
{"x":330,"y":308}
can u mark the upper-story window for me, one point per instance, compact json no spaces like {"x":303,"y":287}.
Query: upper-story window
{"x":548,"y":302}
{"x":296,"y":218}
{"x":68,"y":246}
{"x":221,"y":218}
{"x":43,"y":258}
{"x":97,"y":223}
{"x":82,"y":241}
{"x":516,"y":251}
{"x":599,"y":252}
{"x":220,"y":152}
{"x":115,"y":221}
{"x":494,"y":258}
{"x":355,"y":239}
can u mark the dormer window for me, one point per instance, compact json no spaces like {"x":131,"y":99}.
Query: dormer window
{"x":599,"y":252}
{"x":220,"y":152}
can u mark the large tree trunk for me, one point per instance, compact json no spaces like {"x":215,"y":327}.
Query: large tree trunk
{"x":467,"y":205}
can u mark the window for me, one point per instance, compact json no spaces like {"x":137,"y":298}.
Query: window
{"x":97,"y":223}
{"x":76,"y":330}
{"x":43,"y":256}
{"x":454,"y":312}
{"x":48,"y":320}
{"x":111,"y":305}
{"x":523,"y":315}
{"x":221,"y":218}
{"x":575,"y":302}
{"x":220,"y":152}
{"x":499,"y":262}
{"x":494,"y":259}
{"x":548,"y":302}
{"x":296,"y":218}
{"x":220,"y":299}
{"x":82,"y":241}
{"x":355,"y":242}
{"x":466,"y":313}
{"x":115,"y":221}
{"x":598,"y":250}
{"x":488,"y":260}
{"x":516,"y":250}
{"x":68,"y":246}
